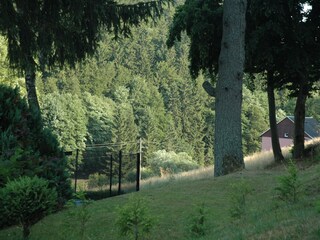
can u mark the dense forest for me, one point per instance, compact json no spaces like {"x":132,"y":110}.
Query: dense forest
{"x":136,"y":88}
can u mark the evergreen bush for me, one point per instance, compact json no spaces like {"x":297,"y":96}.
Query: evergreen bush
{"x":134,"y":220}
{"x":26,"y":201}
{"x":289,"y":184}
{"x":26,"y":148}
{"x":198,"y":221}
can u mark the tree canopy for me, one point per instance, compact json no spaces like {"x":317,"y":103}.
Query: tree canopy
{"x":283,"y":39}
{"x":42,"y":33}
{"x":202,"y":21}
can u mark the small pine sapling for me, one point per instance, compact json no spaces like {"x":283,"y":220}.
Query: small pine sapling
{"x":239,"y":194}
{"x":198,"y":221}
{"x":78,"y":214}
{"x":289,"y":184}
{"x":134,"y":220}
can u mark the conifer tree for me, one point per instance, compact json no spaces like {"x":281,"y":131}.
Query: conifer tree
{"x":283,"y":40}
{"x":42,"y":33}
{"x":214,"y":50}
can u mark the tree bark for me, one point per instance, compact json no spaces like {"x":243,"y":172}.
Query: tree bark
{"x":228,"y":137}
{"x":278,"y":157}
{"x":30,"y":78}
{"x":299,"y":118}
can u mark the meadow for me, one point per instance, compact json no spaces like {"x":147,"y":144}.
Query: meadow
{"x":173,"y":200}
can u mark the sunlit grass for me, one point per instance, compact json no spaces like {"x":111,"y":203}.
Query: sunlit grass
{"x":256,"y":161}
{"x":173,"y":199}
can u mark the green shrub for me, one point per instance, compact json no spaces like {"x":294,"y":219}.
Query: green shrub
{"x":288,"y":185}
{"x":134,"y":220}
{"x":171,"y":162}
{"x":145,"y":174}
{"x":97,"y":180}
{"x":26,"y":201}
{"x":239,"y":193}
{"x":198,"y":221}
{"x":26,"y":148}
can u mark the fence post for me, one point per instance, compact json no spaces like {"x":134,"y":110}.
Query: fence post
{"x":76,"y":172}
{"x":120,"y":166}
{"x":138,"y":172}
{"x":110,"y":189}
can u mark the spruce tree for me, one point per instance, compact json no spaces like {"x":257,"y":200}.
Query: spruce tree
{"x":44,"y":33}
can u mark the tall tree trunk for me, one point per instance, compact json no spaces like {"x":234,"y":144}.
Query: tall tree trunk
{"x":228,"y":137}
{"x":278,"y":157}
{"x":299,"y":117}
{"x":44,"y":73}
{"x":30,"y":78}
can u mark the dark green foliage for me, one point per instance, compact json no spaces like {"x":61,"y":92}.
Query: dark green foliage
{"x":282,"y":39}
{"x":27,"y":148}
{"x":97,"y":181}
{"x":78,"y":216}
{"x":239,"y":195}
{"x":155,"y":79}
{"x":41,"y":34}
{"x":26,"y":201}
{"x":145,"y":174}
{"x":126,"y":130}
{"x":29,"y":35}
{"x":202,"y":21}
{"x":198,"y":221}
{"x":134,"y":220}
{"x":289,"y":185}
{"x":163,"y":162}
{"x":318,"y":206}
{"x":98,"y":195}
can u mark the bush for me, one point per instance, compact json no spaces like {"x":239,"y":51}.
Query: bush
{"x":134,"y":220}
{"x":145,"y":174}
{"x":26,"y":148}
{"x":26,"y":201}
{"x":171,"y":162}
{"x":97,"y":180}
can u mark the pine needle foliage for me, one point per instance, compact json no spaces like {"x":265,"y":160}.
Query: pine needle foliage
{"x":134,"y":220}
{"x":289,"y":184}
{"x":66,"y":31}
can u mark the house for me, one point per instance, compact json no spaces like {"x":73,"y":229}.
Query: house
{"x":286,"y":132}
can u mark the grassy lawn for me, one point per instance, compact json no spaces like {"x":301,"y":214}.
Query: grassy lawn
{"x":173,"y":202}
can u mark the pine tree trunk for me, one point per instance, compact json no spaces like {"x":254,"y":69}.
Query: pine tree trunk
{"x":228,"y":137}
{"x":299,"y":117}
{"x":278,"y":157}
{"x":30,"y":78}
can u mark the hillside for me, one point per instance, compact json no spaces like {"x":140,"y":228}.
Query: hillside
{"x":172,"y":204}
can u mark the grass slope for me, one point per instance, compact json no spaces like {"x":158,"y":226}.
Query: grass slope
{"x":173,"y":202}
